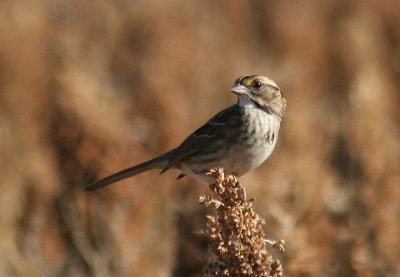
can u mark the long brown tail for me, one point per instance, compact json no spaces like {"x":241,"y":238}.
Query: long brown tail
{"x":155,"y":163}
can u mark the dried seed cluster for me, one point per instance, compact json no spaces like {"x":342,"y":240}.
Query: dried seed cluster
{"x":237,"y":240}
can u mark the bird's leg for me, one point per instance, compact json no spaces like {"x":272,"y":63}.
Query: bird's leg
{"x":213,"y":188}
{"x":243,"y":190}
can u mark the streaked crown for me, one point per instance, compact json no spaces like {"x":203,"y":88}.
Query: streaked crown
{"x":263,"y":91}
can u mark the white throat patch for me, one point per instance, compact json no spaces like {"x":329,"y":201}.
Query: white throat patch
{"x":244,"y":101}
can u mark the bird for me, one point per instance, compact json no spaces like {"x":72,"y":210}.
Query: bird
{"x":238,"y":139}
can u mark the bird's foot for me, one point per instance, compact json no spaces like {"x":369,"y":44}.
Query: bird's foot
{"x":243,"y":192}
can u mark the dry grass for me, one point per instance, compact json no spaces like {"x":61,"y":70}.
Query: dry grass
{"x":88,"y":88}
{"x":237,"y":242}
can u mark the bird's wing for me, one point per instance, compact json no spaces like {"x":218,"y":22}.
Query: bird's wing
{"x":218,"y":127}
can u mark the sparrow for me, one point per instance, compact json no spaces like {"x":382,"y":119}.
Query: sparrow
{"x":238,"y":139}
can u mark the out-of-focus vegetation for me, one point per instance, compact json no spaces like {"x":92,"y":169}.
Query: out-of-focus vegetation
{"x":91,"y":87}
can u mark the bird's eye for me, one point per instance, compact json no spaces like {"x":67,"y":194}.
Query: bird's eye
{"x":257,"y":84}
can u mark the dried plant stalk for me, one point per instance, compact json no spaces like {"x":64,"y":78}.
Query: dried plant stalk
{"x":237,"y":240}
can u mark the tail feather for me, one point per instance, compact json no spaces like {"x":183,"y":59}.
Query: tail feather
{"x":155,"y":163}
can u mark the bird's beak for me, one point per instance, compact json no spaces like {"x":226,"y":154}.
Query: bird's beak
{"x":239,"y":90}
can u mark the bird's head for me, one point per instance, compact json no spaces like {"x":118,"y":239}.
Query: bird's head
{"x":261,"y":91}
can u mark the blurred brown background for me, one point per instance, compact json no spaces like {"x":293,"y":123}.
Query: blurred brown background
{"x":91,"y":87}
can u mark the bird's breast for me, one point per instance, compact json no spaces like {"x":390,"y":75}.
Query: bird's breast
{"x":245,"y":147}
{"x":257,"y":140}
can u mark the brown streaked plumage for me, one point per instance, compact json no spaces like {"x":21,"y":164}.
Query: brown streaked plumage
{"x":238,"y":139}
